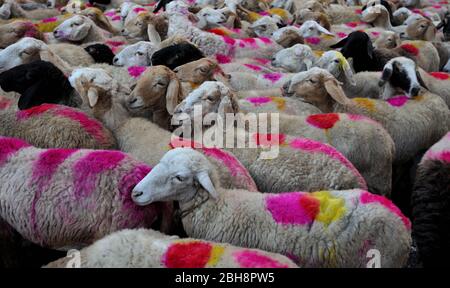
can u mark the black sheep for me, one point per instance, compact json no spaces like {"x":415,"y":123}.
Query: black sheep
{"x":445,"y":23}
{"x":101,"y":53}
{"x":38,"y":82}
{"x":176,"y":55}
{"x":358,"y":46}
{"x":431,"y":212}
{"x":162,"y":4}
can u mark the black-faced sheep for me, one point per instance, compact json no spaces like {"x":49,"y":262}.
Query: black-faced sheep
{"x":101,"y":53}
{"x":176,"y":55}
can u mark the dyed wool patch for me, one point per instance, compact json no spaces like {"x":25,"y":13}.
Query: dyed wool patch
{"x":195,"y":254}
{"x":293,"y":208}
{"x":323,"y":121}
{"x":253,"y":259}
{"x":10,"y":146}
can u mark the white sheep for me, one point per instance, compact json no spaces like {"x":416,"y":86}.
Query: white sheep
{"x":295,"y":59}
{"x":138,"y":54}
{"x":135,"y":135}
{"x":157,"y":250}
{"x":414,"y":124}
{"x":214,"y":97}
{"x":68,"y":198}
{"x":320,"y":229}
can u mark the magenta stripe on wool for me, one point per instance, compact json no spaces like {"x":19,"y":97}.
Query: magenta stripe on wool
{"x":43,"y":169}
{"x":87,"y":169}
{"x":10,"y":146}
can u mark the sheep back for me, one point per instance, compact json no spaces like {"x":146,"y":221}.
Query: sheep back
{"x":56,"y":126}
{"x":67,"y":197}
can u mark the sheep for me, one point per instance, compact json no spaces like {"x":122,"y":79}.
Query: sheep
{"x":414,"y":124}
{"x":265,"y":26}
{"x":429,"y":200}
{"x":81,"y":29}
{"x":29,"y":49}
{"x":326,"y":128}
{"x":370,"y":221}
{"x":361,"y":84}
{"x":55,"y":126}
{"x":421,"y":29}
{"x":387,"y":39}
{"x":248,"y":81}
{"x":379,"y":16}
{"x":146,"y":26}
{"x":400,"y":15}
{"x":445,"y":24}
{"x":99,"y":19}
{"x":443,"y":49}
{"x":316,"y":36}
{"x":162,"y":251}
{"x":15,"y":10}
{"x":209,"y":17}
{"x":101,"y":53}
{"x":138,"y":54}
{"x":176,"y":55}
{"x":211,"y":44}
{"x":365,"y":58}
{"x":12,"y":32}
{"x":135,"y":134}
{"x":295,"y":59}
{"x":274,"y":104}
{"x":38,"y":82}
{"x":62,"y":185}
{"x":287,"y":36}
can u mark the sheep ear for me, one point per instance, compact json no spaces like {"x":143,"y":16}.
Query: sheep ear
{"x":153,"y":35}
{"x":92,"y":96}
{"x":340,"y":43}
{"x":193,"y":18}
{"x":173,"y":91}
{"x":430,"y":33}
{"x":205,"y":181}
{"x":308,"y":63}
{"x":29,"y":98}
{"x":386,"y":74}
{"x":370,"y":49}
{"x":348,"y":71}
{"x":421,"y":82}
{"x":323,"y":30}
{"x":225,"y":107}
{"x":334,"y":89}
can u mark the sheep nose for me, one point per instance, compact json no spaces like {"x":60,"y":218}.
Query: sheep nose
{"x":136,"y":194}
{"x":415,"y":91}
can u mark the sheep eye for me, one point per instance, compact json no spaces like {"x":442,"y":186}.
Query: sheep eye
{"x":210,"y":98}
{"x":139,"y":53}
{"x":179,"y":178}
{"x":336,"y":61}
{"x":390,"y":40}
{"x":311,"y":81}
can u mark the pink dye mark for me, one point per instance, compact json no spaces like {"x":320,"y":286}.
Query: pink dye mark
{"x":313,"y":40}
{"x":110,"y":14}
{"x":263,"y":61}
{"x":356,"y":117}
{"x":264,"y":13}
{"x":5,"y":103}
{"x":223,"y":59}
{"x":31,"y":30}
{"x":367,"y":198}
{"x":437,"y":6}
{"x":397,"y":101}
{"x":114,"y":43}
{"x":253,"y":67}
{"x":341,"y":34}
{"x":293,"y":208}
{"x":9,"y":146}
{"x":253,"y":259}
{"x":358,"y":11}
{"x":116,"y":18}
{"x":87,"y":169}
{"x":273,"y":77}
{"x":229,"y":41}
{"x":50,"y":20}
{"x":318,"y":147}
{"x":139,"y":9}
{"x":134,"y":215}
{"x":258,"y":101}
{"x":43,"y":170}
{"x":91,"y":126}
{"x":265,"y":40}
{"x":234,"y":166}
{"x":268,"y":140}
{"x":136,"y":71}
{"x":441,"y":156}
{"x":248,"y":41}
{"x":351,"y":24}
{"x":375,"y":33}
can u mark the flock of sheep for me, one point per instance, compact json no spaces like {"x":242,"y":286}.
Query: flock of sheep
{"x":93,"y":93}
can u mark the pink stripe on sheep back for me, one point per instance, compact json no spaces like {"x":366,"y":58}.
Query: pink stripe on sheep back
{"x":253,"y":259}
{"x":293,"y":208}
{"x":223,"y":59}
{"x":318,"y":147}
{"x":136,"y":71}
{"x":43,"y":170}
{"x":367,"y":198}
{"x":134,"y":215}
{"x":9,"y":146}
{"x":87,"y":169}
{"x":234,"y":166}
{"x":398,"y":101}
{"x":34,"y":111}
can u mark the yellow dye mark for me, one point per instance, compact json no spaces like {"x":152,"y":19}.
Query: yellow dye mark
{"x":318,"y":53}
{"x":280,"y":12}
{"x":193,"y":85}
{"x":326,"y":36}
{"x":418,"y":98}
{"x":216,"y":254}
{"x":366,"y":103}
{"x":331,"y":208}
{"x":342,"y":61}
{"x":253,"y":16}
{"x":281,"y":103}
{"x":51,"y":26}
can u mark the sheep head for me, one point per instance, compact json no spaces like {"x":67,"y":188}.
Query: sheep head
{"x":12,"y":32}
{"x":157,"y":89}
{"x":99,"y":18}
{"x":288,"y":36}
{"x":209,"y":17}
{"x":197,"y":72}
{"x":142,"y":27}
{"x":211,"y":97}
{"x":317,"y":87}
{"x":373,"y":12}
{"x":138,"y":54}
{"x":179,"y":176}
{"x":294,"y":59}
{"x":402,"y":74}
{"x":400,"y":15}
{"x":22,"y":52}
{"x":265,"y":26}
{"x":313,"y":29}
{"x":74,"y":29}
{"x":335,"y":63}
{"x":388,"y":40}
{"x":304,"y":15}
{"x":421,"y":29}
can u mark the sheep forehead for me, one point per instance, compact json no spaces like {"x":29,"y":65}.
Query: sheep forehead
{"x":183,"y":159}
{"x":407,"y":63}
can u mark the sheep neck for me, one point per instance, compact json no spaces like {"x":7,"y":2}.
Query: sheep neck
{"x":94,"y":35}
{"x":383,"y":21}
{"x":112,"y":113}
